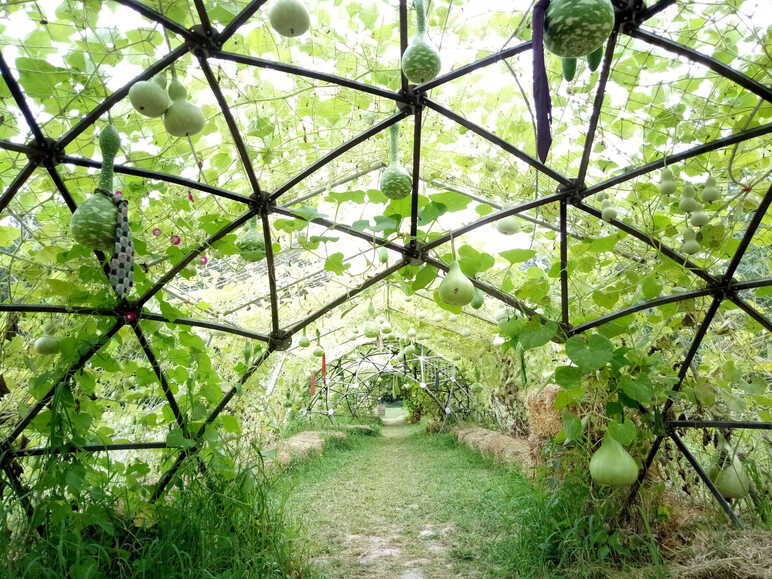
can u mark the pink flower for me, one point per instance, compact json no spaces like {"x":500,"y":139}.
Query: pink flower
{"x":204,"y":260}
{"x":190,"y":197}
{"x":156,"y":232}
{"x":119,"y":192}
{"x":175,"y":239}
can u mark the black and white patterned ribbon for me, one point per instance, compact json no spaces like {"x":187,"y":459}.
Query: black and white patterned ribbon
{"x":121,"y":273}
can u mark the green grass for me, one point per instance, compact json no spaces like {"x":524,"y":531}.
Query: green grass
{"x":392,"y":489}
{"x":217,"y":527}
{"x":442,"y":509}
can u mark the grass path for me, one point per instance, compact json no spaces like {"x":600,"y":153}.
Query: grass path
{"x":410,"y":505}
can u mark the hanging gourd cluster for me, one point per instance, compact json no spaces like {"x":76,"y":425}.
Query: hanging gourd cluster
{"x":689,"y":204}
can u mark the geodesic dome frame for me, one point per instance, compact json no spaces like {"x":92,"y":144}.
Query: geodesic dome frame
{"x":354,"y":379}
{"x":205,"y":43}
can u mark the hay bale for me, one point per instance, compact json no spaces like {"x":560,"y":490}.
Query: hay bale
{"x":736,"y":555}
{"x":544,"y":420}
{"x":497,"y":445}
{"x":302,"y":444}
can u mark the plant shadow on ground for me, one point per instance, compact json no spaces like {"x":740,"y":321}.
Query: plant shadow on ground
{"x":410,"y":505}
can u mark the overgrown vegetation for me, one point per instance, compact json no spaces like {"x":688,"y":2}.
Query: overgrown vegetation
{"x":208,"y":526}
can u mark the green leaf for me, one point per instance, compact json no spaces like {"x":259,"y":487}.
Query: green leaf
{"x":651,"y":287}
{"x":8,"y":235}
{"x":424,"y":277}
{"x":638,"y":389}
{"x":431,"y":212}
{"x":535,"y":287}
{"x":589,"y":352}
{"x":230,"y":423}
{"x":473,"y":262}
{"x":176,"y":439}
{"x":169,"y":312}
{"x":623,"y":432}
{"x":290,"y":225}
{"x":514,"y":256}
{"x":451,"y":200}
{"x":536,"y":333}
{"x":568,"y":376}
{"x":335,"y":264}
{"x":572,"y":426}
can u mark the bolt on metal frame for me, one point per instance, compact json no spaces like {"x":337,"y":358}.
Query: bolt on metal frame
{"x":205,"y":43}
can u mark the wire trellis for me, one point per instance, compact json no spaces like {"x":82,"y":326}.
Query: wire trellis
{"x":205,"y":43}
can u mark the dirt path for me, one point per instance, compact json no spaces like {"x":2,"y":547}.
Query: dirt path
{"x":402,"y":505}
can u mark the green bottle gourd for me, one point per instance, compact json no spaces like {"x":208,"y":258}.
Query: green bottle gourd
{"x":289,"y":18}
{"x":456,"y":289}
{"x":594,"y":58}
{"x":608,"y":211}
{"x":731,"y":480}
{"x":611,"y":465}
{"x":93,"y":223}
{"x":710,"y":192}
{"x":478,"y":300}
{"x":371,"y":329}
{"x":508,"y":225}
{"x":699,"y":218}
{"x":182,"y":118}
{"x":396,"y":182}
{"x":251,"y":244}
{"x":667,"y":185}
{"x":46,"y":345}
{"x":149,"y":98}
{"x":304,"y":342}
{"x":318,"y":351}
{"x":421,"y":61}
{"x":690,"y":245}
{"x":688,"y":202}
{"x":569,"y":67}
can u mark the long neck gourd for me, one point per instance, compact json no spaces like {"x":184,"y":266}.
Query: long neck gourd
{"x":421,"y":61}
{"x":396,"y":182}
{"x":93,"y":223}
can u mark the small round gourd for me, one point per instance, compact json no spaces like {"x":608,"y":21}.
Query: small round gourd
{"x":667,"y":186}
{"x":576,"y":28}
{"x":456,"y":289}
{"x":608,"y":213}
{"x":149,"y":98}
{"x":411,"y":332}
{"x":318,"y":351}
{"x":46,"y":345}
{"x":478,"y":300}
{"x":421,"y":60}
{"x":304,"y":342}
{"x":688,"y":202}
{"x":690,"y":246}
{"x":386,"y":328}
{"x":396,"y":182}
{"x":699,"y":218}
{"x":182,"y":118}
{"x":289,"y":18}
{"x":611,"y":465}
{"x":508,"y":225}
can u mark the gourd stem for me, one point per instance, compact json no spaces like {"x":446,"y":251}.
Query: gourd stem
{"x":421,"y":16}
{"x":394,"y":149}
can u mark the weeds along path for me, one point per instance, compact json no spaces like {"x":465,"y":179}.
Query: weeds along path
{"x":410,"y":505}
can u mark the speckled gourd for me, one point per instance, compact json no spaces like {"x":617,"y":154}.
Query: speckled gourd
{"x":396,"y":182}
{"x":421,"y":60}
{"x":182,"y":118}
{"x":594,"y":58}
{"x":251,"y":244}
{"x":576,"y":28}
{"x":93,"y":223}
{"x":289,"y":18}
{"x":149,"y":98}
